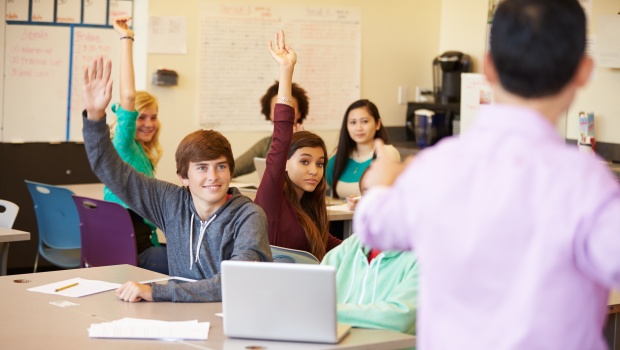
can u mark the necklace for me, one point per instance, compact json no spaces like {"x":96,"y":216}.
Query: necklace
{"x":357,"y":158}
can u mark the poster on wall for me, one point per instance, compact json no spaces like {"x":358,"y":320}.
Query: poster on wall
{"x":236,"y":69}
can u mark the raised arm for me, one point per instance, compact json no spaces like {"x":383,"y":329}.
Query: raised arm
{"x":97,"y":88}
{"x":127,"y":85}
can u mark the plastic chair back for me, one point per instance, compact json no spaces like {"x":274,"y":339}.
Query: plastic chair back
{"x":58,"y":224}
{"x":57,"y":218}
{"x":8,"y":213}
{"x":288,"y":255}
{"x":107,"y":233}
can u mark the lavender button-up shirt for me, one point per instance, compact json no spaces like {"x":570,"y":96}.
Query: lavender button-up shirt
{"x":517,"y":234}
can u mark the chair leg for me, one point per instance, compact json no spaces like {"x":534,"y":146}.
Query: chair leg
{"x":36,"y":262}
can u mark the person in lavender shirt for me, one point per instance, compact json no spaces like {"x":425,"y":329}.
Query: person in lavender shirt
{"x":516,"y":232}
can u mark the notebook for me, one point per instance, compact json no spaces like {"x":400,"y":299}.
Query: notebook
{"x":272,"y":301}
{"x":260,"y":164}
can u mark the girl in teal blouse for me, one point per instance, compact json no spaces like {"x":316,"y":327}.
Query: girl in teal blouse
{"x":361,"y":125}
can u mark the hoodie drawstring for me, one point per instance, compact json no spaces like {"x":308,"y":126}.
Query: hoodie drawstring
{"x":203,"y":228}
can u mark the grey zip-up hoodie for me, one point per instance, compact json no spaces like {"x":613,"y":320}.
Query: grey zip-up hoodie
{"x":236,"y":231}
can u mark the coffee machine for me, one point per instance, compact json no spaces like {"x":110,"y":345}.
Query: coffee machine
{"x":447,"y":69}
{"x":428,"y":122}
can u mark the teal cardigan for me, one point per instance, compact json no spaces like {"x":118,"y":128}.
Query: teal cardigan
{"x":131,"y":151}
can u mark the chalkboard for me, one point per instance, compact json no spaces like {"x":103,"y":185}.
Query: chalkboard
{"x":45,"y":56}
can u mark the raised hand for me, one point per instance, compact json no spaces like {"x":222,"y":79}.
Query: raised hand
{"x":383,"y":171}
{"x":121,"y":26}
{"x":281,"y":52}
{"x":97,"y":89}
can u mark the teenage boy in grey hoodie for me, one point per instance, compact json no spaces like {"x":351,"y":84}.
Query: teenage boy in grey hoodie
{"x":205,"y":221}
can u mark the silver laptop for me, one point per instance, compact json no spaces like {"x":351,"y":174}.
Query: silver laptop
{"x":261,"y":165}
{"x":272,"y":301}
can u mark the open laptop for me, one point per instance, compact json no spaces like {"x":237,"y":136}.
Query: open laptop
{"x":260,"y":164}
{"x":274,"y":301}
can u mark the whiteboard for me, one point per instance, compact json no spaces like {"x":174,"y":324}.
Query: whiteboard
{"x":88,"y":44}
{"x":44,"y":77}
{"x":35,"y":90}
{"x":236,"y":68}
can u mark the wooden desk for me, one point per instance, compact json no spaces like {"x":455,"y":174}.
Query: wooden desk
{"x":29,"y":321}
{"x":9,"y":235}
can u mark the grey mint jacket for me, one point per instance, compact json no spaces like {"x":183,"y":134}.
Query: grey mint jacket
{"x":236,"y":231}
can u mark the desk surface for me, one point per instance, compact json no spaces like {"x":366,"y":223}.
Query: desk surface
{"x":29,"y":321}
{"x":12,"y":235}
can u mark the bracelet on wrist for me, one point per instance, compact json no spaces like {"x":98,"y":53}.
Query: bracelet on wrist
{"x":285,"y":99}
{"x":127,"y":37}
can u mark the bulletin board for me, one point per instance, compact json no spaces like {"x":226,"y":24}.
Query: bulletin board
{"x":48,"y":43}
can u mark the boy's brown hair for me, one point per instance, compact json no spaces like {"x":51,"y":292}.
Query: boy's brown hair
{"x":203,"y":145}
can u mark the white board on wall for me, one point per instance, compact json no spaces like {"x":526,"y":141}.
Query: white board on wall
{"x":88,"y":44}
{"x":35,"y":93}
{"x":44,"y":77}
{"x":235,"y":63}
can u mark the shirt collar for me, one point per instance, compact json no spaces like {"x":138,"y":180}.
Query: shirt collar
{"x":516,"y":120}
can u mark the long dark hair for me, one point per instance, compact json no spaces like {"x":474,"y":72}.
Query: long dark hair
{"x":311,"y":210}
{"x":346,"y":145}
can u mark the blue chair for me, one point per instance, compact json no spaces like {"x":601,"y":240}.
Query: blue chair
{"x":107,"y":233}
{"x":288,"y":255}
{"x":58,"y":223}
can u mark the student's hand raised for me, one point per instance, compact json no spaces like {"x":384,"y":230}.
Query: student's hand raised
{"x":97,"y":89}
{"x":122,"y":28}
{"x":383,"y":171}
{"x":281,"y":52}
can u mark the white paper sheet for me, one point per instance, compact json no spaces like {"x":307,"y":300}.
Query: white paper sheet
{"x":84,"y":287}
{"x":135,"y":328}
{"x":608,"y":41}
{"x":339,"y":207}
{"x":167,"y":35}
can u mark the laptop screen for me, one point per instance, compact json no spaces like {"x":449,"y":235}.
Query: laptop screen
{"x":260,"y":164}
{"x":277,"y":301}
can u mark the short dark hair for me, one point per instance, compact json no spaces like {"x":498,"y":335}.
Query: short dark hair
{"x":203,"y":145}
{"x":536,"y":46}
{"x":303,"y":105}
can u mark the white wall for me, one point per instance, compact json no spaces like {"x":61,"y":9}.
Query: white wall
{"x":463,"y":28}
{"x":601,"y":95}
{"x":399,"y":42}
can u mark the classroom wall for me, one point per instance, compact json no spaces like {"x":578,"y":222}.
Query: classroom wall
{"x":399,"y":42}
{"x":601,"y":94}
{"x":463,"y":28}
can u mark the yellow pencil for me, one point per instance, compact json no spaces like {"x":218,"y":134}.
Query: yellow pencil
{"x":65,"y":287}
